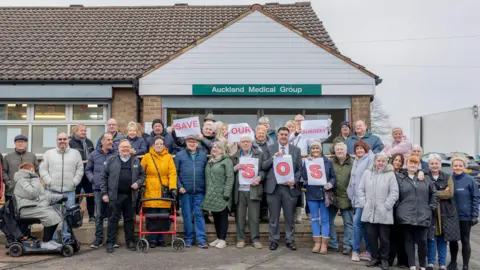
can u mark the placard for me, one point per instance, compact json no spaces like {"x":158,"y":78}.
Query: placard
{"x":315,"y":129}
{"x":147,"y":126}
{"x":235,"y":131}
{"x":283,"y":168}
{"x":49,"y":137}
{"x":248,"y":174}
{"x":187,"y":126}
{"x":316,"y":172}
{"x":11,"y":133}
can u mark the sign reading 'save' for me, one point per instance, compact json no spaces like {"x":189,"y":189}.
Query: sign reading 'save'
{"x":187,"y":126}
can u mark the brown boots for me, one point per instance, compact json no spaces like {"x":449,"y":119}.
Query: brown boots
{"x":317,"y":243}
{"x":324,"y":246}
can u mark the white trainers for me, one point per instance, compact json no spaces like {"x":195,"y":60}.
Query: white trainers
{"x":214,"y":243}
{"x":221,"y":244}
{"x":48,"y":246}
{"x":55,"y":243}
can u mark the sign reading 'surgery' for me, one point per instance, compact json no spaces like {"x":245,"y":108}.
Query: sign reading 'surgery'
{"x":187,"y":126}
{"x":235,"y":131}
{"x":315,"y":129}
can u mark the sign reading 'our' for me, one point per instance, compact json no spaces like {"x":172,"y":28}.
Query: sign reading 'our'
{"x":257,"y":89}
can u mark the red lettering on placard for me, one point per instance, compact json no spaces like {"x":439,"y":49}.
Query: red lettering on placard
{"x":283,"y":168}
{"x":315,"y":171}
{"x":191,"y":124}
{"x":248,"y":171}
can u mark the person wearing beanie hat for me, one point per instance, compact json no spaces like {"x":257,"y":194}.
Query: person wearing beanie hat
{"x":219,"y":184}
{"x":209,"y":117}
{"x":13,"y":160}
{"x":345,"y":132}
{"x":316,"y":200}
{"x":399,"y":144}
{"x":158,"y":128}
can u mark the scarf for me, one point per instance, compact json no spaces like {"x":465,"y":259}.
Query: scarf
{"x":85,"y":147}
{"x":125,"y":159}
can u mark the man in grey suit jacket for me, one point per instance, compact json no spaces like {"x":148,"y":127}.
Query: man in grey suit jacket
{"x":282,"y":196}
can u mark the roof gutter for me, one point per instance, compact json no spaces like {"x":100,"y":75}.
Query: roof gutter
{"x":66,"y":81}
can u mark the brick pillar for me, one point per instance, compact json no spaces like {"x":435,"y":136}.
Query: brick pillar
{"x":152,"y":108}
{"x":361,"y":109}
{"x":124,"y":107}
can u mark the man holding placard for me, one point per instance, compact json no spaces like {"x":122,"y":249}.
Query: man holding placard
{"x":283,"y":164}
{"x":248,"y":190}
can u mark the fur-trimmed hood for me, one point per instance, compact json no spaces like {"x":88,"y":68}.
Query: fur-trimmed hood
{"x":388,"y":168}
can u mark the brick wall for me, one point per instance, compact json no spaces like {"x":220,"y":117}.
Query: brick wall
{"x":361,"y":109}
{"x":124,"y":107}
{"x":152,"y":108}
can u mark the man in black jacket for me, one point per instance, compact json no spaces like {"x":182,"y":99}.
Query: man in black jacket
{"x":121,"y":177}
{"x":80,"y":142}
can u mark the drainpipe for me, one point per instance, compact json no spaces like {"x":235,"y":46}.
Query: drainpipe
{"x":139,"y":98}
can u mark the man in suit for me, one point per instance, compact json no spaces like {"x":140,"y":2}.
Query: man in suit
{"x":282,"y":196}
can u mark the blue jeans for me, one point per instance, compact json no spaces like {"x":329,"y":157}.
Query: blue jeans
{"x":156,"y":238}
{"x":102,"y":213}
{"x":437,"y":243}
{"x":315,"y":208}
{"x":192,"y":214}
{"x":71,"y":201}
{"x":359,"y":231}
{"x":347,"y":216}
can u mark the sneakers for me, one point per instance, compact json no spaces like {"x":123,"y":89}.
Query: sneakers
{"x":452,"y":266}
{"x":430,"y":267}
{"x":116,"y":245}
{"x":110,"y":248}
{"x":240,"y":244}
{"x":355,"y":257}
{"x":131,"y":246}
{"x":214,"y":243}
{"x":203,"y":246}
{"x":221,"y":244}
{"x":365,"y":256}
{"x":55,"y":243}
{"x":91,"y":220}
{"x":48,"y":246}
{"x":96,"y":244}
{"x":257,"y":245}
{"x":188,"y":245}
{"x":347,"y":251}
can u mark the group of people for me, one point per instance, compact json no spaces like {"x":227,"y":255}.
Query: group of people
{"x":387,"y":196}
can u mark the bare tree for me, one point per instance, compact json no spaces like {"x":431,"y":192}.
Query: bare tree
{"x":380,"y":120}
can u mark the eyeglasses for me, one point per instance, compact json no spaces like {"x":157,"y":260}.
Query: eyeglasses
{"x":244,"y":141}
{"x":62,"y":139}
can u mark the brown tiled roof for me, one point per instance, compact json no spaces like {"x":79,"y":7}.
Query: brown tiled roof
{"x":119,"y":43}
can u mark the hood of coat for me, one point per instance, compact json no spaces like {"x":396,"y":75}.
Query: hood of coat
{"x":386,"y":169}
{"x":368,"y":133}
{"x":24,"y":174}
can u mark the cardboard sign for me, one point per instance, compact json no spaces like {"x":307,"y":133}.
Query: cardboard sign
{"x":316,"y":172}
{"x":187,"y":126}
{"x":235,"y":131}
{"x":315,"y":129}
{"x":283,"y":168}
{"x":247,"y":175}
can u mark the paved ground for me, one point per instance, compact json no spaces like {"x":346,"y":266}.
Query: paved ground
{"x":194,"y":258}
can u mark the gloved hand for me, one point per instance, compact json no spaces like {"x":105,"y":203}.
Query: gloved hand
{"x":474,"y":221}
{"x":63,"y":199}
{"x":328,"y":186}
{"x":226,"y":198}
{"x":174,"y":193}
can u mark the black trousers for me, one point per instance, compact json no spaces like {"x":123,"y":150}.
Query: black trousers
{"x":465,"y":229}
{"x":378,"y":237}
{"x":416,"y":235}
{"x":220,"y":219}
{"x":397,"y":246}
{"x":87,"y":188}
{"x":48,"y":232}
{"x":264,"y":206}
{"x":122,"y":205}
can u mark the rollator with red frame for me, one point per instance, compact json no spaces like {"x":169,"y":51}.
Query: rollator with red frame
{"x":159,"y":223}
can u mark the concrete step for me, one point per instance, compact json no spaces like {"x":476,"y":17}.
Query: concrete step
{"x":303,"y":232}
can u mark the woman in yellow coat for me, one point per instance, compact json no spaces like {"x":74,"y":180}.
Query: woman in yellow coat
{"x":160,"y":170}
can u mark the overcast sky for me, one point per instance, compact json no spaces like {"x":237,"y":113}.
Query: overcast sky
{"x":426,"y":52}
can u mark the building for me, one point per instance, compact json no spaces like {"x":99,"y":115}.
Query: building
{"x":70,"y":65}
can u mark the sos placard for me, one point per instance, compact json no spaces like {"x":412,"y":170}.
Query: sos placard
{"x":316,"y":172}
{"x":283,"y":168}
{"x":249,"y":172}
{"x":187,"y":126}
{"x":235,"y":131}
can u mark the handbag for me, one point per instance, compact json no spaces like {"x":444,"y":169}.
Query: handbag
{"x":330,"y":199}
{"x":165,"y":191}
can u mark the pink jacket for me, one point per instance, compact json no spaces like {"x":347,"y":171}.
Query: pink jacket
{"x":403,"y":147}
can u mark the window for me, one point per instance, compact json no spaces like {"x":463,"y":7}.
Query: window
{"x":88,"y":112}
{"x":234,"y":116}
{"x":279,"y":117}
{"x":42,"y":122}
{"x":13,"y":111}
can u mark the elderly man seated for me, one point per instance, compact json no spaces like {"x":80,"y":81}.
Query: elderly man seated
{"x":30,"y":192}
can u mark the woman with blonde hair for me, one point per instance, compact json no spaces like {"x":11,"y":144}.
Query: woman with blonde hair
{"x":138,"y":143}
{"x":290,"y":124}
